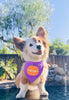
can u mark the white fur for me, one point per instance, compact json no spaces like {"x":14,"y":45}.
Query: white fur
{"x":32,"y":87}
{"x":23,"y":90}
{"x":29,"y":56}
{"x":27,"y":51}
{"x":42,"y":89}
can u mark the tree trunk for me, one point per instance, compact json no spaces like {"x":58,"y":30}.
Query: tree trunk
{"x":31,"y":28}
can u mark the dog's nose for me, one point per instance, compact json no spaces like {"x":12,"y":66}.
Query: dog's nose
{"x":39,"y":47}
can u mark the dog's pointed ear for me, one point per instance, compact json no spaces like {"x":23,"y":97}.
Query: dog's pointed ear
{"x":41,"y":33}
{"x":19,"y":43}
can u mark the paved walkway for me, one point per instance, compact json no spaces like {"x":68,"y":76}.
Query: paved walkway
{"x":7,"y":84}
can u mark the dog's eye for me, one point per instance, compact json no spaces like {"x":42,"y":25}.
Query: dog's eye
{"x":31,"y":45}
{"x":38,"y":40}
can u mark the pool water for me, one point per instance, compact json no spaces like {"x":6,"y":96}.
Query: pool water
{"x":55,"y":93}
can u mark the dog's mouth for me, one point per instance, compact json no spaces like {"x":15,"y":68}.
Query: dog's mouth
{"x":38,"y":53}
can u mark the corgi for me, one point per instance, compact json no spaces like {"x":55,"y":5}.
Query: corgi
{"x":34,"y":49}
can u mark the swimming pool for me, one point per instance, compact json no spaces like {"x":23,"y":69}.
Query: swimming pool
{"x":55,"y":93}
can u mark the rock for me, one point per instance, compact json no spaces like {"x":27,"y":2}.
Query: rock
{"x":54,"y":65}
{"x":66,"y":78}
{"x":49,"y":65}
{"x":51,"y":74}
{"x":59,"y":70}
{"x":59,"y":78}
{"x":68,"y":73}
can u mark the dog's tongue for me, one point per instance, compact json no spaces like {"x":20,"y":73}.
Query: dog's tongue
{"x":40,"y":51}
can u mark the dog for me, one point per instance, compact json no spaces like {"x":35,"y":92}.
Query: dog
{"x":34,"y":49}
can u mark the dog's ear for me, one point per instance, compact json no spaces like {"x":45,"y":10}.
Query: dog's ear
{"x":41,"y":33}
{"x":19,"y":43}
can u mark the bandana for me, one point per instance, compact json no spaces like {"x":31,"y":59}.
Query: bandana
{"x":33,"y":70}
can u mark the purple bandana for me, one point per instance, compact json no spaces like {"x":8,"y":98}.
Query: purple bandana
{"x":33,"y":70}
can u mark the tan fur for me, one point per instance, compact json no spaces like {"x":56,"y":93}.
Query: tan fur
{"x":42,"y":33}
{"x":42,"y":36}
{"x":19,"y":43}
{"x":21,"y":77}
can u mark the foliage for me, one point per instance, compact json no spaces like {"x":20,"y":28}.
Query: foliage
{"x":23,"y":16}
{"x":5,"y":50}
{"x":15,"y":51}
{"x":60,"y":47}
{"x":10,"y":50}
{"x":8,"y":70}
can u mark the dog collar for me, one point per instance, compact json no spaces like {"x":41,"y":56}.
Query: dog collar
{"x":33,"y":70}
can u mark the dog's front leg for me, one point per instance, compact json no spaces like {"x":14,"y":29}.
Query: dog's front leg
{"x":23,"y":90}
{"x":42,"y":89}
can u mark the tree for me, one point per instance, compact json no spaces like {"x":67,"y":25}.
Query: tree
{"x":25,"y":15}
{"x":60,"y":47}
{"x":22,"y":17}
{"x":4,"y":50}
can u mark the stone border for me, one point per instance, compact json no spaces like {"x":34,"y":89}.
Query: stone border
{"x":5,"y":84}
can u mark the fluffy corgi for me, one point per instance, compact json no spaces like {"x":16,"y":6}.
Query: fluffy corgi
{"x":34,"y":49}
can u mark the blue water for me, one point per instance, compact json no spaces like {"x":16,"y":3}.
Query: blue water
{"x":55,"y":93}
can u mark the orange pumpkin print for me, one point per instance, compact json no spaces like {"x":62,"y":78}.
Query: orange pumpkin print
{"x":32,"y":70}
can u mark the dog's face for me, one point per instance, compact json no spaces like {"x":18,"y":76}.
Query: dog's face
{"x":34,"y":48}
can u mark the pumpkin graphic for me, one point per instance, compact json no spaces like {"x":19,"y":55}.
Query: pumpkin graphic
{"x":32,"y":70}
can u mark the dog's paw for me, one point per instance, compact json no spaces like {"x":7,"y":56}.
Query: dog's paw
{"x":20,"y":96}
{"x":44,"y":93}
